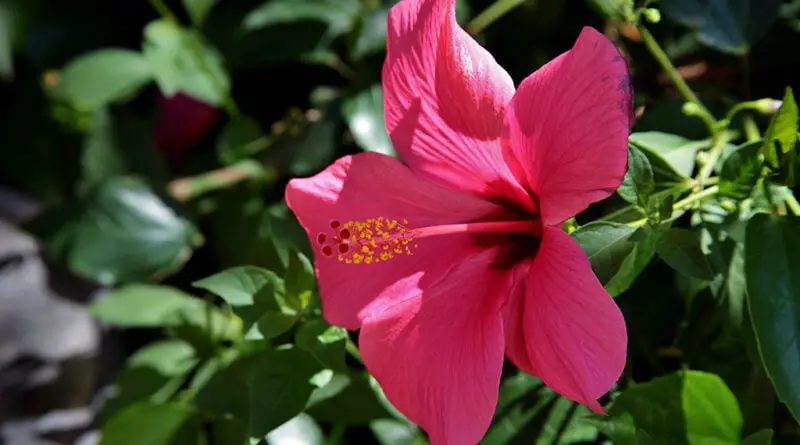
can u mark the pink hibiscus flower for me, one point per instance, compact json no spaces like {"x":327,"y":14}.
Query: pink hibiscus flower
{"x":457,"y":258}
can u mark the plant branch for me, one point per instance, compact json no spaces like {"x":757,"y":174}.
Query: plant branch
{"x":683,"y":204}
{"x":676,"y":78}
{"x":491,"y":14}
{"x":352,"y":349}
{"x":714,"y":153}
{"x":185,"y":189}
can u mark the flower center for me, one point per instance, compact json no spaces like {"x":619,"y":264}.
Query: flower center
{"x":381,"y":239}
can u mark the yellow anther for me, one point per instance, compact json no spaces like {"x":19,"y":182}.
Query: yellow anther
{"x":373,"y":240}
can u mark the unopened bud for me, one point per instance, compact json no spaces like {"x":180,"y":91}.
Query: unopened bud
{"x":652,"y":15}
{"x":767,"y":105}
{"x":728,"y":204}
{"x":691,"y":109}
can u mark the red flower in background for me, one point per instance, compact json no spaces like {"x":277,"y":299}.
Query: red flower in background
{"x":183,"y":122}
{"x":457,"y":258}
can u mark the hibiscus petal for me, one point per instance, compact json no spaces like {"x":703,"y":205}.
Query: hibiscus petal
{"x":566,"y":328}
{"x":566,"y":134}
{"x":438,"y":353}
{"x":372,"y":185}
{"x":445,"y":100}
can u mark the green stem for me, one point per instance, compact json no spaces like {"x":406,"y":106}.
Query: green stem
{"x":185,"y":189}
{"x":751,"y":130}
{"x":676,"y":78}
{"x":352,"y":349}
{"x":714,"y":153}
{"x":491,"y":14}
{"x":792,"y":203}
{"x":684,"y":203}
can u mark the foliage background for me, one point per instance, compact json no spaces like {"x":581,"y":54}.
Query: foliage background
{"x":152,"y":197}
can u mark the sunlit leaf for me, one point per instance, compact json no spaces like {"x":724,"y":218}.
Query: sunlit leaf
{"x":684,"y":408}
{"x":125,"y":233}
{"x":102,"y":77}
{"x":364,"y":114}
{"x":781,"y":136}
{"x":676,"y":153}
{"x":182,"y":61}
{"x":146,"y":423}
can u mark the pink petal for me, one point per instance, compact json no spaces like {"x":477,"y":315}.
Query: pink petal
{"x":566,"y":328}
{"x":445,"y":100}
{"x":438,"y":352}
{"x":371,"y":185}
{"x":567,"y":128}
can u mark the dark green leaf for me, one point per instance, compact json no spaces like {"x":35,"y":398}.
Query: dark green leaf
{"x":516,"y":418}
{"x":728,"y":25}
{"x":741,"y":171}
{"x":279,"y":388}
{"x":155,"y":372}
{"x":516,"y":387}
{"x":364,"y":114}
{"x":781,"y":136}
{"x":146,"y":423}
{"x":198,"y":10}
{"x":241,"y":138}
{"x":272,"y":324}
{"x":638,"y":183}
{"x":680,"y":248}
{"x":101,"y":158}
{"x":763,"y":437}
{"x":643,"y":252}
{"x":372,"y":38}
{"x":102,"y":77}
{"x":125,"y":233}
{"x":607,"y":244}
{"x":684,"y":408}
{"x":337,"y":14}
{"x":182,"y":61}
{"x":675,"y":154}
{"x":354,"y":403}
{"x":312,"y":149}
{"x":299,"y":279}
{"x":642,"y":438}
{"x":325,"y":342}
{"x":223,"y":389}
{"x":772,"y":271}
{"x":609,"y":9}
{"x":228,"y":431}
{"x":561,"y":428}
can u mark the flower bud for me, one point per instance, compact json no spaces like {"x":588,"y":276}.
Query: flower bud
{"x":767,"y":105}
{"x":691,"y":109}
{"x":652,"y":15}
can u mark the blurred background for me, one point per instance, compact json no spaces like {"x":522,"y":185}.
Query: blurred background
{"x":149,"y":143}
